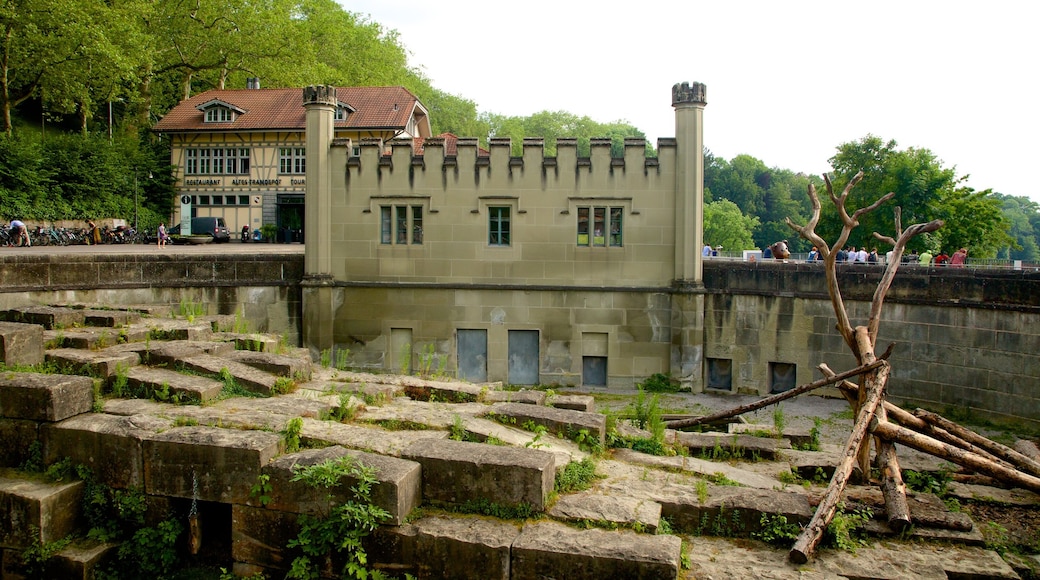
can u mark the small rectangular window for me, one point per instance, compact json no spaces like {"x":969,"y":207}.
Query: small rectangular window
{"x":781,"y":377}
{"x":204,"y":165}
{"x":285,"y":160}
{"x":191,"y":165}
{"x":243,"y":161}
{"x":402,"y":224}
{"x":243,"y":200}
{"x":599,"y":218}
{"x":600,"y":226}
{"x":720,"y":374}
{"x":300,"y":160}
{"x":203,"y":200}
{"x":417,"y":226}
{"x":498,"y":226}
{"x":218,"y":161}
{"x":583,"y":226}
{"x":615,"y":226}
{"x":384,"y":225}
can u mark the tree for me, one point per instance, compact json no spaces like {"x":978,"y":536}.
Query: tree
{"x":725,"y":225}
{"x":1024,"y":217}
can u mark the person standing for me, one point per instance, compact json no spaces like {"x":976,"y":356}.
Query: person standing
{"x":19,"y":232}
{"x":925,"y":258}
{"x":958,"y":258}
{"x":161,"y":241}
{"x":942,"y":259}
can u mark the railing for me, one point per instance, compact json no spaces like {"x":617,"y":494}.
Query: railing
{"x":978,"y":263}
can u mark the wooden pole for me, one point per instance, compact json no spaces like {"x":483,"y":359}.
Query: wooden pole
{"x":774,"y":398}
{"x":810,"y":537}
{"x":1023,"y":462}
{"x":957,"y":455}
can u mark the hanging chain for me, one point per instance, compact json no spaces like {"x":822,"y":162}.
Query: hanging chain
{"x":194,"y":495}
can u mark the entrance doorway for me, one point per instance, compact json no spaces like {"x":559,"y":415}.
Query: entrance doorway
{"x":290,"y":218}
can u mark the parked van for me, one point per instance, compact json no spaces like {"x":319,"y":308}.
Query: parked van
{"x":213,"y":226}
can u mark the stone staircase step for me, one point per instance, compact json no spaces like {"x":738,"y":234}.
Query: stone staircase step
{"x":373,"y":439}
{"x":613,"y":510}
{"x":281,"y":365}
{"x":798,"y":437}
{"x":254,"y":342}
{"x":247,"y":377}
{"x":44,"y":397}
{"x":554,"y":550}
{"x":225,"y":463}
{"x":49,"y":317}
{"x":456,"y":472}
{"x":467,"y":548}
{"x":189,"y":388}
{"x":557,"y":421}
{"x":21,"y":344}
{"x":731,"y":446}
{"x":702,"y":467}
{"x":98,"y":364}
{"x":33,"y":510}
{"x":110,"y":318}
{"x":398,"y":487}
{"x":177,"y":329}
{"x":110,"y":445}
{"x":372,"y":394}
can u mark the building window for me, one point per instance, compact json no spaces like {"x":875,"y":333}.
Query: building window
{"x":292,"y":160}
{"x":781,"y":377}
{"x":600,"y":226}
{"x":209,"y":161}
{"x":401,"y":224}
{"x":219,"y":115}
{"x":498,"y":226}
{"x":341,"y":114}
{"x":720,"y":374}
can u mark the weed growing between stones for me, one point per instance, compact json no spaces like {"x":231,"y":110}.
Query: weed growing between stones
{"x":338,"y":529}
{"x":779,"y":421}
{"x":724,"y":524}
{"x":845,"y":531}
{"x":325,"y":358}
{"x":814,"y":437}
{"x":34,"y":458}
{"x":190,"y":309}
{"x":36,"y":558}
{"x":576,"y":476}
{"x":702,"y":491}
{"x":660,"y":383}
{"x":776,"y":530}
{"x":484,"y":506}
{"x":291,"y":434}
{"x":283,"y":385}
{"x":402,"y":425}
{"x":261,"y":490}
{"x":98,"y":404}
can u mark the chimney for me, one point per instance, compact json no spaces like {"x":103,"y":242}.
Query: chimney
{"x":253,"y":83}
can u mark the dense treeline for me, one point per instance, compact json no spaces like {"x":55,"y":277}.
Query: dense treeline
{"x":84,"y":81}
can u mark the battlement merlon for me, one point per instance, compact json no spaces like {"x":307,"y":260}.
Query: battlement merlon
{"x":319,"y":95}
{"x":689,"y":93}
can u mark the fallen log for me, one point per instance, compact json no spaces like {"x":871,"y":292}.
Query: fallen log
{"x":1020,"y":461}
{"x":957,"y":455}
{"x":810,"y":537}
{"x":774,"y":398}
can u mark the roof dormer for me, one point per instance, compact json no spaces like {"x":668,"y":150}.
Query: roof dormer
{"x":218,"y":111}
{"x":343,"y":111}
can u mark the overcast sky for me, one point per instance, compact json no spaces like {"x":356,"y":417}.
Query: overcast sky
{"x":787,"y":81}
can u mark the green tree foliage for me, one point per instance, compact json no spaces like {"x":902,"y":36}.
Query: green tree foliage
{"x":552,"y":125}
{"x":725,"y":225}
{"x":1024,"y":217}
{"x":924,"y":189}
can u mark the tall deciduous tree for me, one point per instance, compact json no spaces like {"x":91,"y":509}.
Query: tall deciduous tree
{"x":725,"y":225}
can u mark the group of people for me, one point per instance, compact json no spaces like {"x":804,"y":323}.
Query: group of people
{"x":861,"y":255}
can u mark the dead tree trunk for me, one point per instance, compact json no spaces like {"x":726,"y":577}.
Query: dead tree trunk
{"x":810,"y":537}
{"x":957,"y":455}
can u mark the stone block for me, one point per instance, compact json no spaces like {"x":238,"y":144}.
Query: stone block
{"x":79,"y":560}
{"x":585,"y":403}
{"x":21,"y":344}
{"x":443,"y":391}
{"x":225,"y":462}
{"x":393,"y":549}
{"x":527,"y":397}
{"x":553,"y":550}
{"x":245,"y":376}
{"x":40,"y":397}
{"x":737,"y":511}
{"x":92,"y":363}
{"x":617,"y":510}
{"x":456,"y":472}
{"x":49,"y":317}
{"x":186,"y":387}
{"x":110,"y":318}
{"x":564,"y":422}
{"x":34,"y":509}
{"x":110,"y":445}
{"x":372,"y":439}
{"x":397,"y":489}
{"x":464,"y":548}
{"x":18,"y":436}
{"x":276,"y":364}
{"x":735,"y":445}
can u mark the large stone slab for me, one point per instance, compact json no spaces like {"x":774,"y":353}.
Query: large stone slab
{"x":158,"y":352}
{"x":371,"y":438}
{"x":225,"y":462}
{"x":277,"y":364}
{"x":553,"y":550}
{"x":563,"y":422}
{"x":732,"y":446}
{"x":397,"y":489}
{"x":456,"y":472}
{"x":703,"y":467}
{"x":260,"y":536}
{"x":585,"y":403}
{"x":467,"y":548}
{"x":245,"y":376}
{"x":90,"y":338}
{"x":98,"y":364}
{"x":186,"y":388}
{"x":178,"y":329}
{"x":609,"y":510}
{"x":49,"y":317}
{"x":40,"y":397}
{"x":110,"y":318}
{"x":46,"y":511}
{"x":522,"y":396}
{"x":110,"y":445}
{"x":80,"y":560}
{"x":21,"y":344}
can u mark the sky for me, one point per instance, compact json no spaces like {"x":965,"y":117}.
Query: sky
{"x":787,"y":81}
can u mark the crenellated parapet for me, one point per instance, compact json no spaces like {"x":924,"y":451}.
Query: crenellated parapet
{"x":689,"y":93}
{"x":319,"y":95}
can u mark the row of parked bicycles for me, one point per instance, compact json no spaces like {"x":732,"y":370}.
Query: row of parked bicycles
{"x":41,"y":236}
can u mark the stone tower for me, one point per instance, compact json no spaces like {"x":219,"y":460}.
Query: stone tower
{"x":317,"y":284}
{"x":689,"y":101}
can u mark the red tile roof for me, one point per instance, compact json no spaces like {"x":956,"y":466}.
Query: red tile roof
{"x":386,"y":108}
